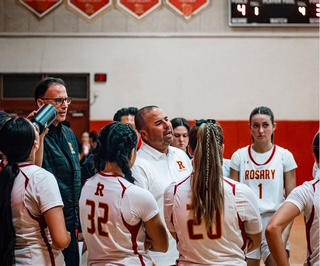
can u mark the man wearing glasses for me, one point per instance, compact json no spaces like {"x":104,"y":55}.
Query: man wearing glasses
{"x":61,"y":158}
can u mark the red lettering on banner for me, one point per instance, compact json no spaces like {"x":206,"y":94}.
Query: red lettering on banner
{"x":89,"y":8}
{"x":138,"y":8}
{"x":187,"y":8}
{"x":40,"y":7}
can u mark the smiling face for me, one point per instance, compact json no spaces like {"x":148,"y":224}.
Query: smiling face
{"x":158,"y":130}
{"x":56,"y":91}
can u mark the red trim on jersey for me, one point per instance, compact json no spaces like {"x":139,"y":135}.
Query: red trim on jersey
{"x":134,"y":230}
{"x":270,"y":158}
{"x":232,"y":185}
{"x":308,"y":228}
{"x":240,"y":222}
{"x":41,"y":221}
{"x":109,"y":175}
{"x":124,"y":188}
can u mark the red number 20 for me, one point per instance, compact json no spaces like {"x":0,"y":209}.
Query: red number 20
{"x":211,"y":235}
{"x":101,"y":220}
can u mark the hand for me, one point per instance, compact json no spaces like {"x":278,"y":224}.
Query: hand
{"x":44,"y":133}
{"x":31,"y":115}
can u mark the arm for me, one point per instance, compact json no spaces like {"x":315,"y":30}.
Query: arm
{"x":235,"y":175}
{"x":280,"y":220}
{"x":39,"y":153}
{"x":254,"y":241}
{"x":289,"y":185}
{"x":235,"y":164}
{"x":289,"y":181}
{"x":157,"y":238}
{"x":57,"y":227}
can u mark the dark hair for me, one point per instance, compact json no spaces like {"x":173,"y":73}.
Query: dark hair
{"x":263,"y":110}
{"x":44,"y":84}
{"x":180,"y":121}
{"x":139,"y":118}
{"x":315,"y":145}
{"x":123,"y":112}
{"x":94,"y":135}
{"x":117,"y":141}
{"x":207,"y":180}
{"x":17,"y":139}
{"x":3,"y":117}
{"x":133,"y":110}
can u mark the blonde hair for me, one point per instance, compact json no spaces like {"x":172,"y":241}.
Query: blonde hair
{"x":206,"y":142}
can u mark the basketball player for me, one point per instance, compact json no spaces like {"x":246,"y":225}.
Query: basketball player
{"x":120,"y":221}
{"x":268,"y":169}
{"x":211,"y":216}
{"x":32,"y":225}
{"x":303,"y":198}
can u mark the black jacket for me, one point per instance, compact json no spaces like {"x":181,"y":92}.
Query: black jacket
{"x":61,"y":158}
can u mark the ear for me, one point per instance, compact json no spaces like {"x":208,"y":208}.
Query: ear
{"x":36,"y":145}
{"x":222,"y":148}
{"x":40,"y":103}
{"x":274,"y":126}
{"x":190,"y":151}
{"x":143,"y":134}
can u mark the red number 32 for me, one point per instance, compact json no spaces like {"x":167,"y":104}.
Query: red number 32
{"x":101,"y":219}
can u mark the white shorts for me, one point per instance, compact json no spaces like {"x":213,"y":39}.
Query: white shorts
{"x":263,"y":252}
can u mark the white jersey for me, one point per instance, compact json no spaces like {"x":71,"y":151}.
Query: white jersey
{"x":307,"y":198}
{"x":34,"y":192}
{"x":112,"y":212}
{"x":265,"y":178}
{"x":316,"y":171}
{"x":226,"y":167}
{"x":155,"y":171}
{"x":225,"y":244}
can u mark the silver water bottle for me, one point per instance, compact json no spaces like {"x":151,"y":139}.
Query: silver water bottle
{"x":45,"y":116}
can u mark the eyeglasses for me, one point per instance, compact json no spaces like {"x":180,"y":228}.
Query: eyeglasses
{"x":59,"y":101}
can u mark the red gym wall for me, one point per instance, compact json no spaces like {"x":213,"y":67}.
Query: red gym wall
{"x":296,"y":136}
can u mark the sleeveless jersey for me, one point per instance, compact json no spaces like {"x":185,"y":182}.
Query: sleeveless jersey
{"x":267,"y":179}
{"x":307,"y":198}
{"x":112,"y":212}
{"x":34,"y":191}
{"x":225,"y":243}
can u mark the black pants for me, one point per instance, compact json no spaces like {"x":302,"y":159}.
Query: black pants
{"x":71,"y":253}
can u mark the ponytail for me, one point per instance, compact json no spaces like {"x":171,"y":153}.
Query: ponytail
{"x":207,"y":179}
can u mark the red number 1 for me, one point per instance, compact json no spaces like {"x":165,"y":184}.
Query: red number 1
{"x":260,"y":191}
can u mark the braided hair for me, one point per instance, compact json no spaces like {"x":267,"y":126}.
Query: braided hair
{"x":206,"y":142}
{"x":117,"y":141}
{"x":17,"y":139}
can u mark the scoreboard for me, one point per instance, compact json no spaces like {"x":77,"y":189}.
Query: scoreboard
{"x":274,"y":13}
